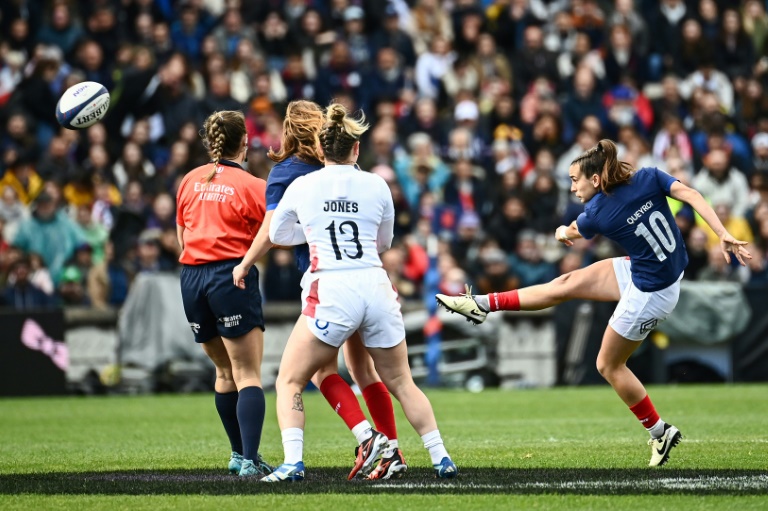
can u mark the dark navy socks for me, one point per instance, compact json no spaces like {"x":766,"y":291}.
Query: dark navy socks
{"x":226,"y":405}
{"x":250,"y":416}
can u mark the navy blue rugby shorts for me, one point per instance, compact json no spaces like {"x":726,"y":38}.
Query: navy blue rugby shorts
{"x":215,"y":306}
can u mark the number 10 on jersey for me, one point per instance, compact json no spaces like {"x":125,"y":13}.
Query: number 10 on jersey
{"x":661,"y":235}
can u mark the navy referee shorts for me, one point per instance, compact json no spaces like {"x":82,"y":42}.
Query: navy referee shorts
{"x":215,"y":306}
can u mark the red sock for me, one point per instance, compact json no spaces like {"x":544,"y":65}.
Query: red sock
{"x":342,"y":400}
{"x":379,"y":403}
{"x":507,"y":301}
{"x":645,"y":412}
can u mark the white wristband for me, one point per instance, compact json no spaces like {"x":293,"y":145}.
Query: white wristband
{"x":561,"y":233}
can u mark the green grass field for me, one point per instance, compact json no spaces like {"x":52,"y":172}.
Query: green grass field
{"x":568,"y":449}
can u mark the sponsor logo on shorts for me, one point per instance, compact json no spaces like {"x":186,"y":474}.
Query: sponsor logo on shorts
{"x":231,"y":320}
{"x":648,"y":325}
{"x":323,"y":327}
{"x":195,"y":327}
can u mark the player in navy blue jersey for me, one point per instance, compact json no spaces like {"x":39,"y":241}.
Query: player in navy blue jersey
{"x":630,"y":208}
{"x":299,"y":155}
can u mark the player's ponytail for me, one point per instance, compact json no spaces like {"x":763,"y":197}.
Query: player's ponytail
{"x":603,"y":160}
{"x":222,"y":135}
{"x":340,"y":132}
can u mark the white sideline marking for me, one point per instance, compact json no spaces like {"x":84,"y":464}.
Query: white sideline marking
{"x":756,"y":482}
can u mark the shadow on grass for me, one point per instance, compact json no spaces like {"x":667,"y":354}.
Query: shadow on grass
{"x":417,"y":481}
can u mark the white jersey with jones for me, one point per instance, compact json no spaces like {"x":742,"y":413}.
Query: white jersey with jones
{"x":345,"y":215}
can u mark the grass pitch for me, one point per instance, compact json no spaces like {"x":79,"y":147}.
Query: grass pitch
{"x":576,"y":448}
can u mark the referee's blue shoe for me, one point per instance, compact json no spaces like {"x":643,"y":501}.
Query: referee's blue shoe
{"x":446,"y":469}
{"x":235,"y":463}
{"x":286,"y":472}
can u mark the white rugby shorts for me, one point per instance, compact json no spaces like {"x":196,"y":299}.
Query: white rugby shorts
{"x":338,"y":303}
{"x":638,"y":312}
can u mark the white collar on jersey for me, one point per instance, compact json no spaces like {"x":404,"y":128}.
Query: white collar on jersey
{"x":336,"y":167}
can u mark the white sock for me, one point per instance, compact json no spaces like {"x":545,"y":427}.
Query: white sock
{"x":434,"y":444}
{"x":657,"y":429}
{"x":392,"y":446}
{"x":293,"y":445}
{"x":362,"y":432}
{"x":483,"y":302}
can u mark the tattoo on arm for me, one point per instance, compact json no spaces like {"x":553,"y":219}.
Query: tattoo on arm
{"x":298,"y":403}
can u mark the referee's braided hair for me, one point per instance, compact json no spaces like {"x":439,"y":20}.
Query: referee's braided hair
{"x":222,"y":135}
{"x":340,"y":132}
{"x":603,"y":160}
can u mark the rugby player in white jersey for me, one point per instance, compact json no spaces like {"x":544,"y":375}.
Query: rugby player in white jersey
{"x":347,"y":218}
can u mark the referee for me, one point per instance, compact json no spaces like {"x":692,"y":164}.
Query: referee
{"x":220,"y":207}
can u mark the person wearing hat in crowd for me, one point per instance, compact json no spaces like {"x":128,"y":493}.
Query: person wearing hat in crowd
{"x":71,"y":290}
{"x":49,"y":232}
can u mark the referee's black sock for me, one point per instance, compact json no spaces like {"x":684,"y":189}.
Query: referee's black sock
{"x":250,"y":415}
{"x":226,"y":405}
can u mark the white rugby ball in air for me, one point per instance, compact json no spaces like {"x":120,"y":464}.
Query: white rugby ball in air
{"x":82,"y":105}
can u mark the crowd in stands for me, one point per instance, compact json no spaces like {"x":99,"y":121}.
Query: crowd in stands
{"x":477,"y":108}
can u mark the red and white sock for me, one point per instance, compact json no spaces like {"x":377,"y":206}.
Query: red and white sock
{"x":646,"y":414}
{"x":506,"y":301}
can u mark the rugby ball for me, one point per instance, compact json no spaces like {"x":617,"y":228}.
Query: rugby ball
{"x":82,"y":105}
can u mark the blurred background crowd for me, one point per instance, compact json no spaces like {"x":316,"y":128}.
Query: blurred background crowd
{"x":477,"y":108}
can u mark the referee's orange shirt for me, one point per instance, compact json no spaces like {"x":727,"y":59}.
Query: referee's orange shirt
{"x":220,"y":218}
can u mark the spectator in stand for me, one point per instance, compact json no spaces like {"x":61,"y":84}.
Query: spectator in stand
{"x":672,"y":138}
{"x":392,"y":36}
{"x":12,"y":211}
{"x":495,"y":273}
{"x":39,"y":276}
{"x":528,"y":262}
{"x":20,"y":293}
{"x":665,"y":45}
{"x":693,"y":47}
{"x":50,"y":233}
{"x":432,"y":65}
{"x":71,"y":291}
{"x":760,"y":148}
{"x":533,"y":60}
{"x":622,"y":59}
{"x":584,"y":100}
{"x":94,"y":233}
{"x":507,"y":224}
{"x":429,"y":22}
{"x":386,"y":80}
{"x":421,"y":169}
{"x":21,"y":176}
{"x":755,"y":22}
{"x":721,"y":183}
{"x":625,"y":13}
{"x":61,"y":29}
{"x":107,"y":282}
{"x":734,"y":52}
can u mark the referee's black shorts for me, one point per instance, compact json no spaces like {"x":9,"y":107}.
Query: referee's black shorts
{"x":215,"y":306}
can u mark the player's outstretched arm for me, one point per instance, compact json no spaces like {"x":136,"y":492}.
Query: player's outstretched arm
{"x":259,"y":247}
{"x":728,"y":244}
{"x":565,"y":233}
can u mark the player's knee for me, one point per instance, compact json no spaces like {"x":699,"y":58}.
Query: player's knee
{"x":561,"y":286}
{"x":363,"y":374}
{"x":606,"y":368}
